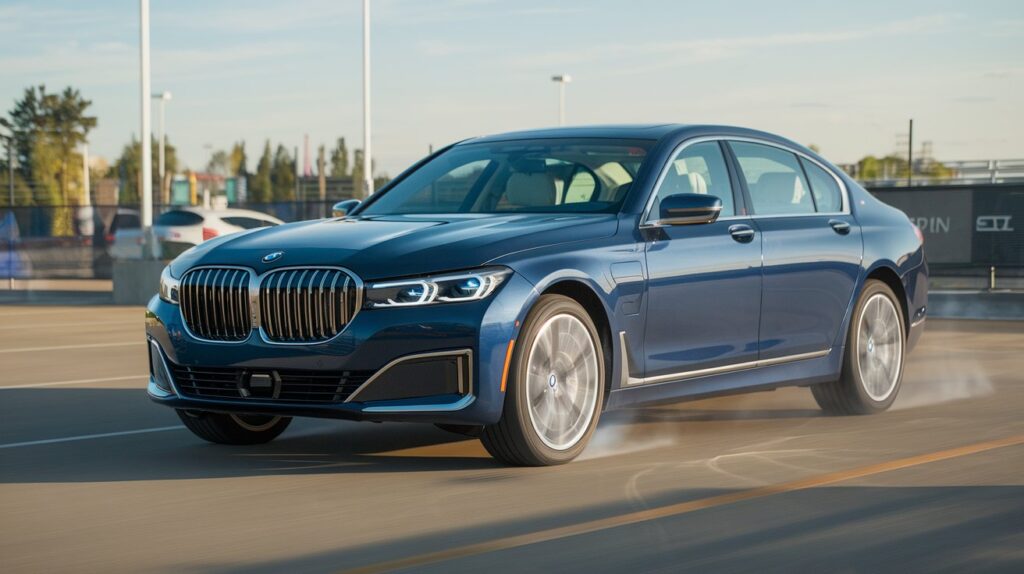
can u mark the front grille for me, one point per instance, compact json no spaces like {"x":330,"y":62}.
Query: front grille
{"x":215,"y":303}
{"x":291,"y":386}
{"x":307,"y":305}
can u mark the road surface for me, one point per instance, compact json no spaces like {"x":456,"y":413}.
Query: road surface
{"x":95,"y":478}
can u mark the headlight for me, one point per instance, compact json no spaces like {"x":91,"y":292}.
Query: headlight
{"x":453,"y":288}
{"x":168,"y":286}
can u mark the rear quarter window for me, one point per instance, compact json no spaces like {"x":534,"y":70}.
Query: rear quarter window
{"x":178,"y":218}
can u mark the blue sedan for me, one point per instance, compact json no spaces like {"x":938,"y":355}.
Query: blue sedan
{"x":514,"y":287}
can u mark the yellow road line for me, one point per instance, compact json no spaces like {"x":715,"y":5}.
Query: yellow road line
{"x":682,"y":507}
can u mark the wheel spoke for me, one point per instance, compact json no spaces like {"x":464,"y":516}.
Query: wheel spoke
{"x":562,"y":381}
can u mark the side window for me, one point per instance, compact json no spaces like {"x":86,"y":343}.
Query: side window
{"x":244,"y":222}
{"x":699,"y":168}
{"x":827,"y":195}
{"x":581,"y":188}
{"x":774,"y":178}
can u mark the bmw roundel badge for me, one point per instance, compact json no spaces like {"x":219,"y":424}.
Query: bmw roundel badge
{"x":272,"y":257}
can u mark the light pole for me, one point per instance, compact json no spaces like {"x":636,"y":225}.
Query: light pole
{"x":164,"y":98}
{"x":367,"y":157}
{"x":10,"y":206}
{"x":562,"y":80}
{"x":145,"y":93}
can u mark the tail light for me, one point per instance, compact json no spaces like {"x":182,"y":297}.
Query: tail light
{"x":209,"y":233}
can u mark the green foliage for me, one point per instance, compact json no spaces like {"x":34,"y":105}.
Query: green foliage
{"x":128,"y":168}
{"x":260,"y":184}
{"x":219,"y":163}
{"x":339,"y":160}
{"x":237,"y":160}
{"x":282,"y":175}
{"x":47,"y":129}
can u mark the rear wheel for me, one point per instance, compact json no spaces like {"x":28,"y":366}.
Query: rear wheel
{"x":233,"y":429}
{"x":555,"y":387}
{"x":873,"y":364}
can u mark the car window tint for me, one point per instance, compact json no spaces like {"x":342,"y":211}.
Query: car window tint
{"x":125,"y":221}
{"x":245,"y":222}
{"x":774,"y":178}
{"x":176,"y":217}
{"x":827,"y":195}
{"x":699,"y":168}
{"x":581,"y":188}
{"x":445,"y":194}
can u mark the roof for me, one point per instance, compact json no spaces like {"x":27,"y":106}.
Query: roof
{"x":635,"y":131}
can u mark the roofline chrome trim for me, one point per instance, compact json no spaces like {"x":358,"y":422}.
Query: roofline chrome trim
{"x":631,"y":381}
{"x":465,"y":379}
{"x":646,"y":222}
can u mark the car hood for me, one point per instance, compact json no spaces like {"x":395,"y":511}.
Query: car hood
{"x":396,"y":246}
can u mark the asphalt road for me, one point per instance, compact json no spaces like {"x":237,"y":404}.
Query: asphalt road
{"x":94,"y":478}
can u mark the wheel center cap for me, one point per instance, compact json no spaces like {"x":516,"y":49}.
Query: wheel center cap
{"x":552,"y":380}
{"x":871,"y":345}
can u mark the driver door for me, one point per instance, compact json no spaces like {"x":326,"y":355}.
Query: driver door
{"x":704,"y":287}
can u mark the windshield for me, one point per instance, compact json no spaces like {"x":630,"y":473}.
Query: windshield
{"x":529,"y":176}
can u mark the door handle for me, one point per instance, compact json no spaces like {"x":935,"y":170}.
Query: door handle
{"x":742,"y":233}
{"x":839,"y":226}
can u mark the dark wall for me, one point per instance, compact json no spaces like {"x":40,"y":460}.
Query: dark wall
{"x":978,"y":225}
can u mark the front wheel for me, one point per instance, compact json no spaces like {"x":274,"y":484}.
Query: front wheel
{"x":233,"y":429}
{"x":873,"y":364}
{"x":555,"y":387}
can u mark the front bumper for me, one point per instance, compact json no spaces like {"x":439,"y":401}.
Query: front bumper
{"x":446,"y":359}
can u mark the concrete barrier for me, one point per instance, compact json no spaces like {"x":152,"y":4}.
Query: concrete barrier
{"x":136,"y":280}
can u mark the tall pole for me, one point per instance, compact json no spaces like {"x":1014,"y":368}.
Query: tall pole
{"x":160,"y":171}
{"x":10,"y":205}
{"x":367,"y":155}
{"x":86,"y":198}
{"x":562,"y":80}
{"x":910,"y":155}
{"x":146,"y":211}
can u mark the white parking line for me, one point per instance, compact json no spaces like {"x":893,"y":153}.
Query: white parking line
{"x":72,"y":382}
{"x":136,"y":321}
{"x":68,"y":347}
{"x":88,"y":436}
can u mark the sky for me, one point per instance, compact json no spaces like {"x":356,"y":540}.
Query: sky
{"x":845,"y":76}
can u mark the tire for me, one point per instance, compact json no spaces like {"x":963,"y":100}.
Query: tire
{"x":876,"y":344}
{"x":568,"y":387}
{"x":222,"y":428}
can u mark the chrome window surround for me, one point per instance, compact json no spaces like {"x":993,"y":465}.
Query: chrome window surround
{"x":255,"y":280}
{"x":646,"y":222}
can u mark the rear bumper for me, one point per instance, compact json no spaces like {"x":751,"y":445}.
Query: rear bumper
{"x":440,"y":364}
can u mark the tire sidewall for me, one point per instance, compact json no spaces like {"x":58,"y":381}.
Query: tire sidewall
{"x":517,"y":400}
{"x":852,"y":367}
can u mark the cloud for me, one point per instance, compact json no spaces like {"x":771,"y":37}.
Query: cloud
{"x":685,"y":52}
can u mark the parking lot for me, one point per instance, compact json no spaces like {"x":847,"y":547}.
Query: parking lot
{"x":93,"y":477}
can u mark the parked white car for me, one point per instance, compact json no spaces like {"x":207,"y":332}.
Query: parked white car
{"x":184,"y":227}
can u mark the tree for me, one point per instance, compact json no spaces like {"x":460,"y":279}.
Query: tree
{"x":237,"y":159}
{"x":339,"y":159}
{"x":282,"y":175}
{"x":260,"y":186}
{"x":219,"y":163}
{"x":47,"y":129}
{"x":128,"y":168}
{"x":357,"y":172}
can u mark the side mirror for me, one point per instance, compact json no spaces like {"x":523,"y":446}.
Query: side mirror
{"x":688,"y":209}
{"x":343,"y":208}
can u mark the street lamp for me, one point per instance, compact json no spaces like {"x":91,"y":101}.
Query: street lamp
{"x":367,"y":159}
{"x":562,"y":80}
{"x":164,"y":98}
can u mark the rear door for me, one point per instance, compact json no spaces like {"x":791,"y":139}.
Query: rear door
{"x":812,"y":248}
{"x":704,"y":287}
